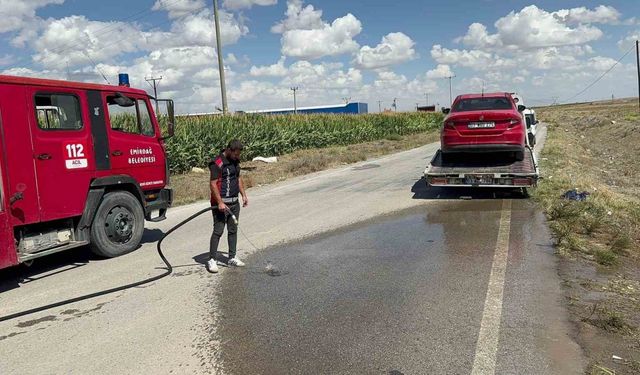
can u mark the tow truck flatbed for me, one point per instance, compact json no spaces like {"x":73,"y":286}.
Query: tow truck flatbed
{"x":482,"y":170}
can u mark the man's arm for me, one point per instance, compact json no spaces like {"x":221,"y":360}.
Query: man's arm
{"x":213,"y":186}
{"x":215,"y":193}
{"x":245,"y":199}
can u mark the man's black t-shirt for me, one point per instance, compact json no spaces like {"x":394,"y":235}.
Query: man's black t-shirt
{"x":226,"y":173}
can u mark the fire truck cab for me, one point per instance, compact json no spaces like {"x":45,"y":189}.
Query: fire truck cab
{"x":80,"y":164}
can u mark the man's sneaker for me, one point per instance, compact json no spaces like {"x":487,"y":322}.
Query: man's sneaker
{"x":212,"y":266}
{"x":236,"y":262}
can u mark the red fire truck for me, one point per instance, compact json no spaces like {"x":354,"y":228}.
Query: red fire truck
{"x":80,"y":164}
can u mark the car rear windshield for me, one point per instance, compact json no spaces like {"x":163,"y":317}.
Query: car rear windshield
{"x":481,"y":104}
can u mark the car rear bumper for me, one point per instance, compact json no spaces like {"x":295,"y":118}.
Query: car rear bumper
{"x":483,"y":148}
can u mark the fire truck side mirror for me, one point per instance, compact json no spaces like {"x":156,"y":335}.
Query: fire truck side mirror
{"x":171,"y":118}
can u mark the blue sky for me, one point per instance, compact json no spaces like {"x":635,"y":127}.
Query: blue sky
{"x":367,"y":51}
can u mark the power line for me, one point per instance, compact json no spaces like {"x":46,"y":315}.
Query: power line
{"x":599,"y":78}
{"x":86,"y":53}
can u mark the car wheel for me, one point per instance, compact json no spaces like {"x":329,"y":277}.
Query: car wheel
{"x":118,"y":226}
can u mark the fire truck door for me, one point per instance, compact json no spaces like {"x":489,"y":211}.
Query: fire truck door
{"x":8,"y":255}
{"x":62,"y":151}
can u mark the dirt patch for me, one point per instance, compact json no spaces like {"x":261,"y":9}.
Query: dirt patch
{"x":593,"y":147}
{"x":193,"y":187}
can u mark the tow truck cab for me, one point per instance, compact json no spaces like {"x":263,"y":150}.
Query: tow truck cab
{"x":80,"y":164}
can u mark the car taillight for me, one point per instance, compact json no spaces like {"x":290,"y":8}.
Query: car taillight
{"x":438,"y":181}
{"x":522,"y":181}
{"x":450,"y":125}
{"x":514,"y":122}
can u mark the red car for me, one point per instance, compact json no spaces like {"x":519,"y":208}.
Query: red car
{"x":484,"y":123}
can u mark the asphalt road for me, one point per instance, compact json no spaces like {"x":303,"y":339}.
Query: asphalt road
{"x":448,"y":293}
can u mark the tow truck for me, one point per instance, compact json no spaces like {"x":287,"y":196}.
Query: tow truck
{"x":491,"y":170}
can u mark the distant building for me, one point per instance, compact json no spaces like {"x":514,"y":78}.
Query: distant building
{"x":351,"y":108}
{"x":427,"y":108}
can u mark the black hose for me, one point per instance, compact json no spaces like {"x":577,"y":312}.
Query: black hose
{"x":168,"y":271}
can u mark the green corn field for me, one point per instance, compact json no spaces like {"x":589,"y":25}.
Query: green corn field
{"x":199,"y":138}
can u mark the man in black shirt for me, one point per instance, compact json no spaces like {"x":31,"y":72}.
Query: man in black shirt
{"x":226,"y":183}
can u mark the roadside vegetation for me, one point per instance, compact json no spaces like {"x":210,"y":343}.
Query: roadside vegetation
{"x":595,"y":147}
{"x":303,"y":143}
{"x":198,"y":138}
{"x":194,"y":186}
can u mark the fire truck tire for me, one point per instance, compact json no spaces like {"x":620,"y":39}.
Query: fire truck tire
{"x":118,"y":225}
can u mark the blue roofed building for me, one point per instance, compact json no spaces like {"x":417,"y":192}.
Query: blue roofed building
{"x":351,"y":108}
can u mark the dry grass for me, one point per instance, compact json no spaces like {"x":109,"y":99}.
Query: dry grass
{"x":595,"y":147}
{"x":194,"y":187}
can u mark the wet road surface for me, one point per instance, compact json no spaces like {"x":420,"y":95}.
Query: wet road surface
{"x":406,"y":293}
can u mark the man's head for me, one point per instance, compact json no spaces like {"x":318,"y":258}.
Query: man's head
{"x":234,"y":149}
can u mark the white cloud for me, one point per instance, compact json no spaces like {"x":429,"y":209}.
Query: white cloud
{"x":629,"y":40}
{"x":601,"y":14}
{"x":322,"y":76}
{"x":330,"y":40}
{"x":533,"y":27}
{"x":276,"y":70}
{"x":299,"y":18}
{"x":395,"y":48}
{"x":197,"y":29}
{"x":7,"y":59}
{"x":601,"y":63}
{"x":76,"y":40}
{"x":179,"y":8}
{"x":441,"y":71}
{"x":387,"y":78}
{"x":245,"y":4}
{"x":268,"y":94}
{"x":18,"y":14}
{"x":474,"y":59}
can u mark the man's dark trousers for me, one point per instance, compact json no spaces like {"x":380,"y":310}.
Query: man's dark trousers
{"x":220,"y":219}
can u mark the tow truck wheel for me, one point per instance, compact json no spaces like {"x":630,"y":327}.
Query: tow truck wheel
{"x":118,"y":225}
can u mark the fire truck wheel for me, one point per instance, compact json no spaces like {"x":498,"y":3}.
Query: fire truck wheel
{"x":118,"y":225}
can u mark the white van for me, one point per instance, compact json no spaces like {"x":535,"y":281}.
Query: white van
{"x":532,"y":125}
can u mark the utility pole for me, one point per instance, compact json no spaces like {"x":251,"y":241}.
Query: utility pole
{"x":638,"y":62}
{"x":450,"y":95}
{"x":380,"y":106}
{"x":223,"y":87}
{"x":417,"y":106}
{"x":155,"y":81}
{"x":295,"y":100}
{"x":395,"y":104}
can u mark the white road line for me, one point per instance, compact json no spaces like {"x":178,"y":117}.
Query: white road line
{"x":487,"y":346}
